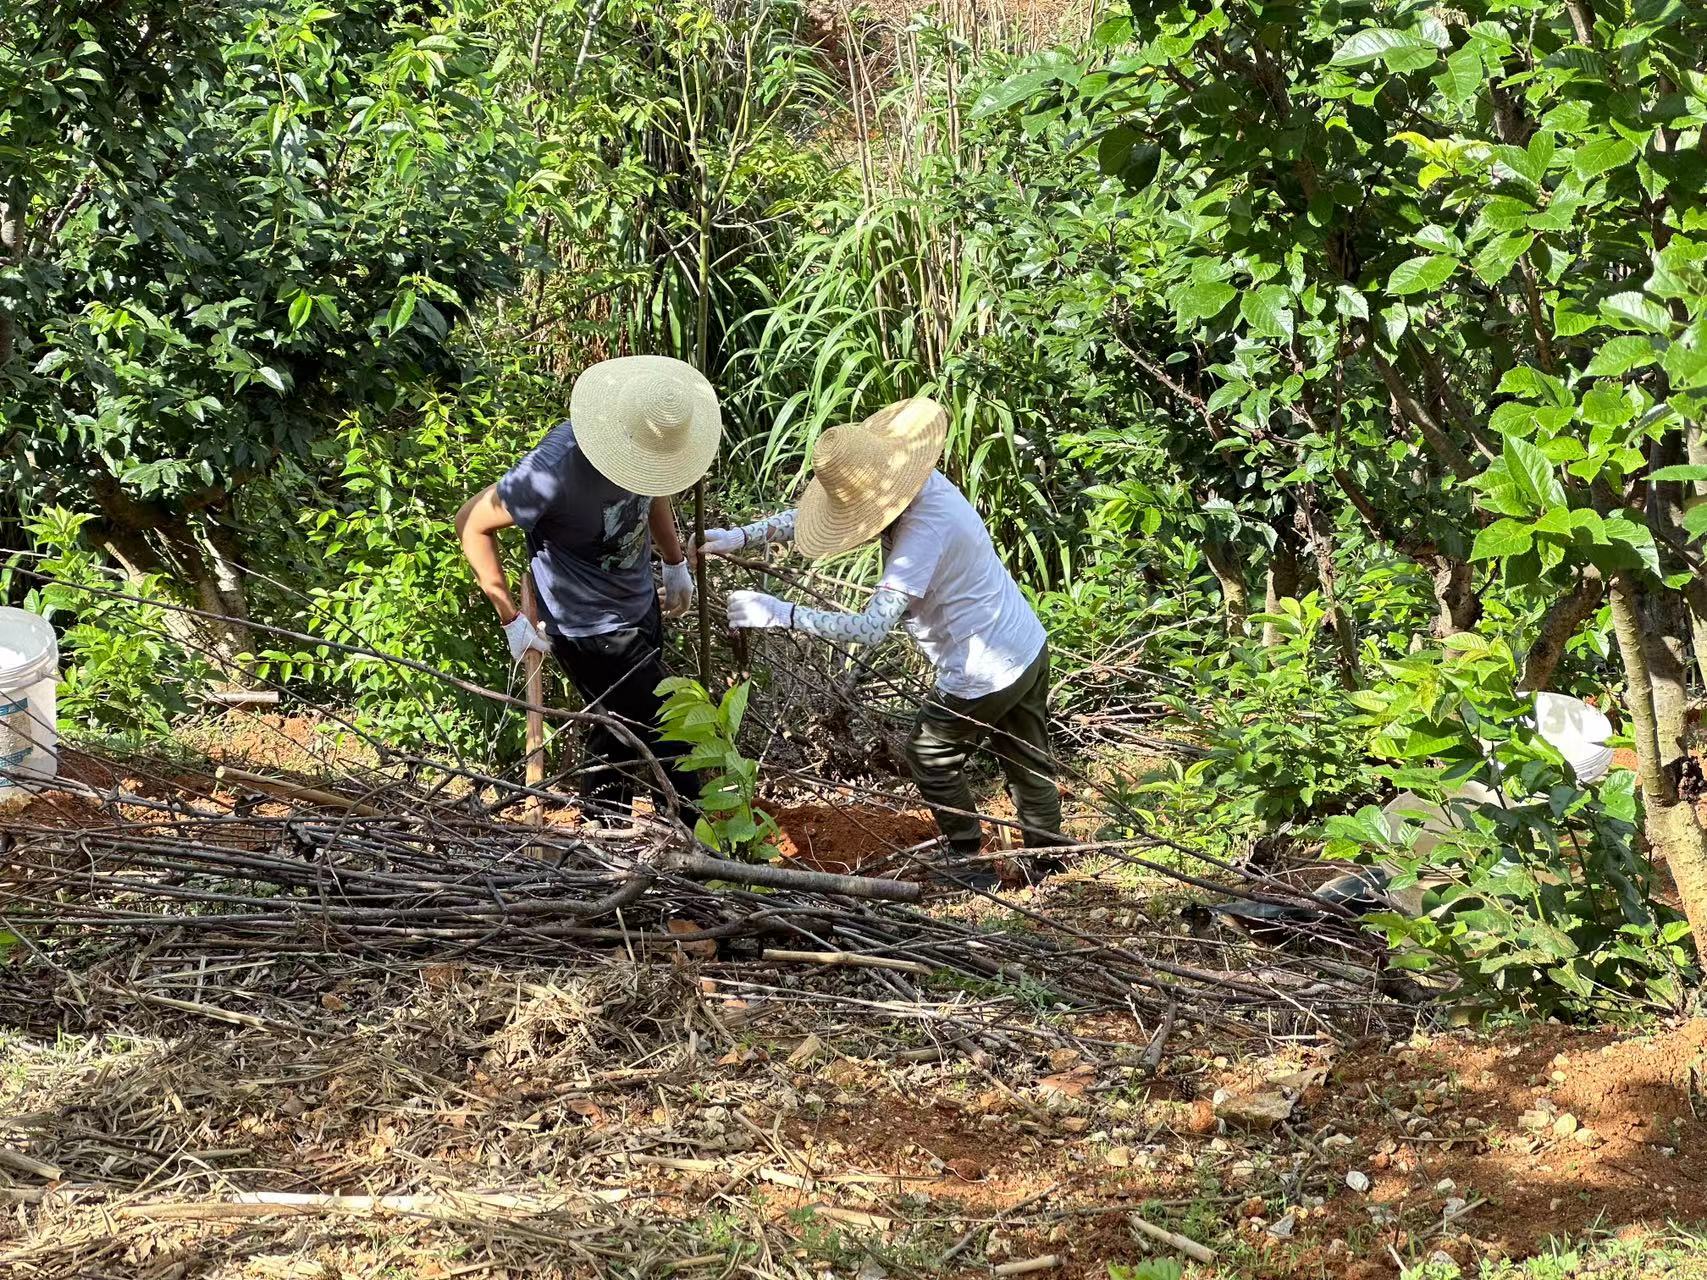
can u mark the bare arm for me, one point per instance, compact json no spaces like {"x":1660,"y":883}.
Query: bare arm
{"x":664,"y":535}
{"x":477,"y":526}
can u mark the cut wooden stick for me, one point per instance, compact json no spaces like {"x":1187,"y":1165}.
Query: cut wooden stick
{"x":853,"y":1217}
{"x":704,"y":866}
{"x":260,"y":1204}
{"x":849,"y":960}
{"x":1180,"y":1244}
{"x":29,"y":1164}
{"x":1048,"y":1262}
{"x":295,"y":791}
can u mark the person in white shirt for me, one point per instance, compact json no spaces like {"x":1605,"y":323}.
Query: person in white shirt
{"x":943,"y":579}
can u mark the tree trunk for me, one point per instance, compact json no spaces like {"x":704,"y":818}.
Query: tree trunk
{"x":1695,"y":445}
{"x":1410,"y":409}
{"x":1281,"y":583}
{"x":1229,"y":571}
{"x":1322,"y":547}
{"x":226,"y":579}
{"x":149,"y":540}
{"x":1560,"y":623}
{"x":1673,"y":829}
{"x":1457,"y":606}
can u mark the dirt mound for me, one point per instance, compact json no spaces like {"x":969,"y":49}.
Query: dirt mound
{"x":1566,"y":1129}
{"x":846,"y":838}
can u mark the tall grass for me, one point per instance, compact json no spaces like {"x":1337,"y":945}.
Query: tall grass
{"x":899,"y":292}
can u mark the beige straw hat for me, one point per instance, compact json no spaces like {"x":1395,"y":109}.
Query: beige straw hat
{"x":648,"y":423}
{"x":865,"y":473}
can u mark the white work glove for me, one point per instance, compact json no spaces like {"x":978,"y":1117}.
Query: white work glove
{"x":754,"y":609}
{"x":723,"y":542}
{"x":524,"y":636}
{"x":678,"y":587}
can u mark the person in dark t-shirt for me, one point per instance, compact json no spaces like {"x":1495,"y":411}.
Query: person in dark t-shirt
{"x":593,"y":498}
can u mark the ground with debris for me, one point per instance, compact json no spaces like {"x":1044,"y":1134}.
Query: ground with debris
{"x":685,"y":1110}
{"x":453,"y":1120}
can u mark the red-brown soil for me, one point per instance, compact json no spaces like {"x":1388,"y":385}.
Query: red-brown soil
{"x":844,"y":838}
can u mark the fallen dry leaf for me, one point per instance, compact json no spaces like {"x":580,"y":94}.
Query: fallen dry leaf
{"x":702,"y":948}
{"x":1071,"y":1083}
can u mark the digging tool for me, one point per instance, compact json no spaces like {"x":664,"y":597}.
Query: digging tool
{"x":534,"y":666}
{"x":700,"y":583}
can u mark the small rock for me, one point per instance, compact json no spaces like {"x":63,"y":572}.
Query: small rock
{"x":1559,"y":1077}
{"x":871,"y":1269}
{"x":1453,"y":1207}
{"x":1254,"y":1110}
{"x":1336,"y":1140}
{"x":1202,"y":1119}
{"x":1075,"y":1124}
{"x":1442,"y":1261}
{"x":1282,"y":1230}
{"x":1534,"y":1121}
{"x":1586,"y":1137}
{"x":1063,"y":1059}
{"x":1445,"y":1187}
{"x":1565,"y":1126}
{"x":1119,"y":1157}
{"x":809,"y":1050}
{"x":1358,"y":1182}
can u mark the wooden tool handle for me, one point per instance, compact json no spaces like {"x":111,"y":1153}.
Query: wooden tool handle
{"x":534,"y":665}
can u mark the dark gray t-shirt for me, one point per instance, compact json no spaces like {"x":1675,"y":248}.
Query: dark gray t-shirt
{"x":589,"y":541}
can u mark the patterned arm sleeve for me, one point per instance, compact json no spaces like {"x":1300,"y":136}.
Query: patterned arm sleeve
{"x":878,"y":620}
{"x":777,"y":528}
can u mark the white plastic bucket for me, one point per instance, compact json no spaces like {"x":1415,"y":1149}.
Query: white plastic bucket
{"x":1577,"y":731}
{"x":29,"y":674}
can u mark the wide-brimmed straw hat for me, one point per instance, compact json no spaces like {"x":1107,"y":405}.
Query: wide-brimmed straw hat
{"x":865,"y":473}
{"x":648,"y":423}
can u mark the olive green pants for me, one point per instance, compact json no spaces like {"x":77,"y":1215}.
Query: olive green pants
{"x":1015,"y":723}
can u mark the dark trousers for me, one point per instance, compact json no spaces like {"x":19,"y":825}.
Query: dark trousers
{"x":616,"y":675}
{"x":1015,"y":721}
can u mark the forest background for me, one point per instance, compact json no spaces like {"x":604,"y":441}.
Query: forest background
{"x":1331,"y":374}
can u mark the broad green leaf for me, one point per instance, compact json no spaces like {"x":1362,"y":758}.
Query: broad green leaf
{"x":1636,"y":539}
{"x":1421,"y":274}
{"x":1023,"y":87}
{"x":1685,"y":471}
{"x":1464,"y":76}
{"x":1531,"y":470}
{"x":1383,"y":44}
{"x":1619,"y":356}
{"x":1501,"y":539}
{"x":1686,"y":367}
{"x":1606,"y":405}
{"x":1597,"y":157}
{"x":1499,"y":256}
{"x":1635,"y":310}
{"x":1267,"y":312}
{"x":1202,"y":300}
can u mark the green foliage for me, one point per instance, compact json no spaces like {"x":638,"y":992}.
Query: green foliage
{"x":131,"y":671}
{"x":220,"y":258}
{"x":731,"y":822}
{"x":1149,"y":1269}
{"x":1273,"y":722}
{"x":374,"y":548}
{"x":1535,"y":894}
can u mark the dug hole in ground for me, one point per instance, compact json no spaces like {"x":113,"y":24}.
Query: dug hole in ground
{"x":302,"y":1109}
